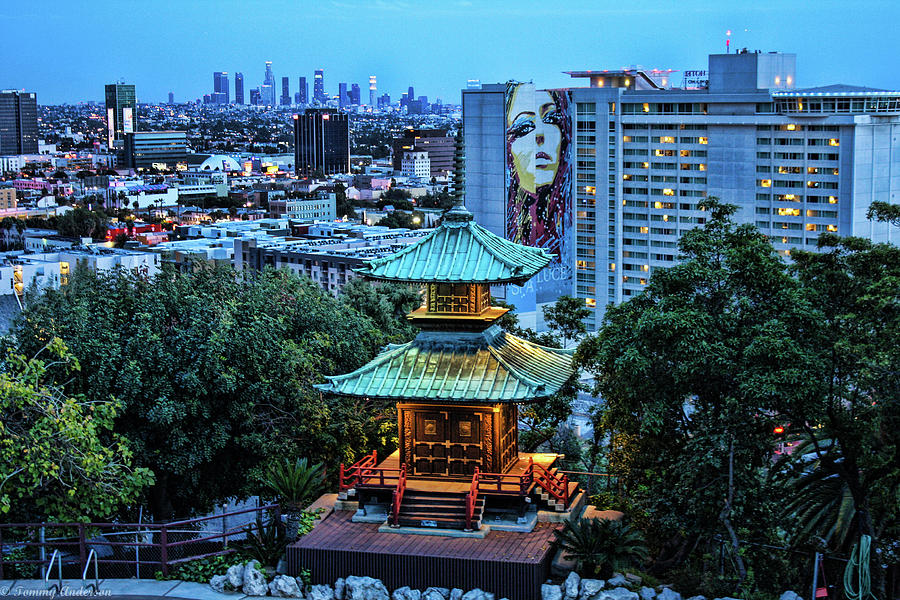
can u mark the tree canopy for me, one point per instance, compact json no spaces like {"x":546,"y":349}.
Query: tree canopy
{"x":214,"y":372}
{"x":58,"y":459}
{"x":729,"y":346}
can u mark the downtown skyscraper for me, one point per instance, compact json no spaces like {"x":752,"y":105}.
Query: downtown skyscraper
{"x":267,"y":89}
{"x":302,"y":91}
{"x":285,"y":91}
{"x":220,"y":93}
{"x":238,"y":88}
{"x":373,"y":91}
{"x":319,"y":87}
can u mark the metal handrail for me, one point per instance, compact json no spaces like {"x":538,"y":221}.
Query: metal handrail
{"x":56,"y":556}
{"x":87,"y":565}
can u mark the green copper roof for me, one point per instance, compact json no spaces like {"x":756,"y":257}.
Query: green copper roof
{"x":489,"y":366}
{"x":460,"y":251}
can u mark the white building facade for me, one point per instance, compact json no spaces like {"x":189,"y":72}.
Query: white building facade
{"x":637,"y":156}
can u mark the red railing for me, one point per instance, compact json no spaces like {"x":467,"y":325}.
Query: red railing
{"x":471,"y":500}
{"x":154,"y":545}
{"x":349,"y":476}
{"x":397,"y":499}
{"x":505,"y":483}
{"x":558,"y":487}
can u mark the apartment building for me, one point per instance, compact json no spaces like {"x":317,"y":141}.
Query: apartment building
{"x":608,"y":175}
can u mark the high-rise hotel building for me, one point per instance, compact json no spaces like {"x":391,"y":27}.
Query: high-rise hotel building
{"x":609,"y":175}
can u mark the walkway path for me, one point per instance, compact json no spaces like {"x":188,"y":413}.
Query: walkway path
{"x":134,"y":589}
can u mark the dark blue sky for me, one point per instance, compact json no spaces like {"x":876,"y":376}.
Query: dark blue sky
{"x":66,"y":51}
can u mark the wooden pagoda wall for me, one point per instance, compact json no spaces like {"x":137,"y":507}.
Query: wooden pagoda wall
{"x":453,"y":439}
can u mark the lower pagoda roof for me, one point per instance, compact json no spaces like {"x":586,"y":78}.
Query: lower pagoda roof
{"x":487,"y":366}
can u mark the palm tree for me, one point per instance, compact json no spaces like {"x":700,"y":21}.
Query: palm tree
{"x":821,"y":504}
{"x":601,"y":546}
{"x":296,"y":484}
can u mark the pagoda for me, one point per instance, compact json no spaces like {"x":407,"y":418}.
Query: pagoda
{"x":458,"y":383}
{"x":457,"y":386}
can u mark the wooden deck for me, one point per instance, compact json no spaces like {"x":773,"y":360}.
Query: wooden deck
{"x":444,"y":483}
{"x":510,"y":565}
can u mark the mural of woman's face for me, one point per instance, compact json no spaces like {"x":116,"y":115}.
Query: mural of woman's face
{"x":535,"y":138}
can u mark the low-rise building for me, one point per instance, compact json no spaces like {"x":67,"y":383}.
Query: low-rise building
{"x":322,"y":206}
{"x":416,"y":165}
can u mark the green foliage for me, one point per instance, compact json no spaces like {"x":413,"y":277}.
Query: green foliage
{"x":202,"y":570}
{"x":265,"y":542}
{"x":214,"y":373}
{"x":58,"y":459}
{"x":386,"y":303}
{"x":295,"y":483}
{"x":691,"y":371}
{"x":566,"y":317}
{"x":820,"y":504}
{"x":698,"y":369}
{"x":81,"y":222}
{"x":13,"y":565}
{"x":398,"y":219}
{"x":601,"y":546}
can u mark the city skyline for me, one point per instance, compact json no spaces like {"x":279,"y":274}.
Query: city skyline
{"x":502,"y":41}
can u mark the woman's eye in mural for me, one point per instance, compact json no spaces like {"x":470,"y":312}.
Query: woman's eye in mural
{"x":554,"y":117}
{"x":523,"y":125}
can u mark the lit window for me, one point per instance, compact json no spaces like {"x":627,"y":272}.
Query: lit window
{"x":832,"y":200}
{"x":668,"y":192}
{"x":831,"y":228}
{"x":589,"y":189}
{"x":646,"y":165}
{"x":791,"y":127}
{"x":612,"y":266}
{"x":666,"y":218}
{"x":833,"y":142}
{"x":646,"y":107}
{"x":702,"y":166}
{"x":645,"y":229}
{"x":790,"y":212}
{"x":765,"y":183}
{"x":643,"y":281}
{"x":626,"y":177}
{"x":703,"y":140}
{"x":657,"y":204}
{"x":646,"y":267}
{"x":626,"y":138}
{"x":834,"y":172}
{"x":666,"y":139}
{"x":810,"y":227}
{"x":590,"y":302}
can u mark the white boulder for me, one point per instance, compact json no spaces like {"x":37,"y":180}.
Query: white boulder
{"x":551,"y":592}
{"x":590,"y":589}
{"x":406,"y":593}
{"x":284,"y":586}
{"x":217,"y":582}
{"x":320,"y":592}
{"x":364,"y":588}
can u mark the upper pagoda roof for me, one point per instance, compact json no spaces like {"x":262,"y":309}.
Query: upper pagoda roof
{"x":460,"y":251}
{"x":487,"y":366}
